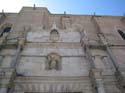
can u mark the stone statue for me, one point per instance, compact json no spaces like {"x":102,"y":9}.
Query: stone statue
{"x":53,"y":60}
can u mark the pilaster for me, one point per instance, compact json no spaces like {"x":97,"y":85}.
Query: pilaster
{"x":96,"y":54}
{"x":6,"y":80}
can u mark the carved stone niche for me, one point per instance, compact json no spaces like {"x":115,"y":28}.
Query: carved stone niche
{"x":54,"y":35}
{"x":53,"y":61}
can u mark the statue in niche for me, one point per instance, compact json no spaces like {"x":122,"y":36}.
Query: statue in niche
{"x":53,"y":61}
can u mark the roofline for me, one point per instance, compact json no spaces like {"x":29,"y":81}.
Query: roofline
{"x":61,"y":14}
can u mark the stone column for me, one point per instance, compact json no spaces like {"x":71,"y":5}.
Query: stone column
{"x":100,"y":86}
{"x":96,"y":73}
{"x":97,"y":78}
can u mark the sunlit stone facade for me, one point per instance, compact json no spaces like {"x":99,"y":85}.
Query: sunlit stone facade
{"x":42,"y":52}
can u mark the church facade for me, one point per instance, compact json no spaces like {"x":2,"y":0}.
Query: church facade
{"x":42,"y":52}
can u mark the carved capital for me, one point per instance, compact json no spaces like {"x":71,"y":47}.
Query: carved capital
{"x":98,"y":52}
{"x":96,"y":73}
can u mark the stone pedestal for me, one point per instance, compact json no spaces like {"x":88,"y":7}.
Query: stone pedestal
{"x":98,"y":61}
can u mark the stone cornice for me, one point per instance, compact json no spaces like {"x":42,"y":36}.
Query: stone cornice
{"x":54,"y":45}
{"x":51,"y":78}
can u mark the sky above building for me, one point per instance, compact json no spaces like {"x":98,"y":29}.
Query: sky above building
{"x":100,"y":7}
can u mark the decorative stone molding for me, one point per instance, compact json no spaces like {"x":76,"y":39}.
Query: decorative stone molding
{"x":54,"y":84}
{"x":103,"y":40}
{"x":97,"y":73}
{"x":53,"y":45}
{"x":7,"y":72}
{"x":53,"y":87}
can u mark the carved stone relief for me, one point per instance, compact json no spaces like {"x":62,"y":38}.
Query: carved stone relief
{"x":53,"y":61}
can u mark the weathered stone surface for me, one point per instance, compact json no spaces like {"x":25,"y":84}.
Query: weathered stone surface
{"x":44,"y":36}
{"x":36,"y":66}
{"x":83,"y":44}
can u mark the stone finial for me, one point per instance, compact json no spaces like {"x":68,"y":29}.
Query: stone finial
{"x":94,"y":13}
{"x":123,"y":18}
{"x":123,"y":14}
{"x":2,"y":11}
{"x":64,"y":13}
{"x":34,"y":6}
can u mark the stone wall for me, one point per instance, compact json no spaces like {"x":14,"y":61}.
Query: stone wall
{"x":90,"y":48}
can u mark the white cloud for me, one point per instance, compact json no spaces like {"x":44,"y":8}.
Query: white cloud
{"x":14,"y":5}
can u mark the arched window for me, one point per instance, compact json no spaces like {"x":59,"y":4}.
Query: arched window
{"x":6,"y":28}
{"x":122,"y":34}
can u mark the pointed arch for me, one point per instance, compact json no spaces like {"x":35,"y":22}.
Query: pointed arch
{"x":122,"y":34}
{"x":6,"y":28}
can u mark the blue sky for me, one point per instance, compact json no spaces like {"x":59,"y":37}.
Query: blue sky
{"x":101,"y":7}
